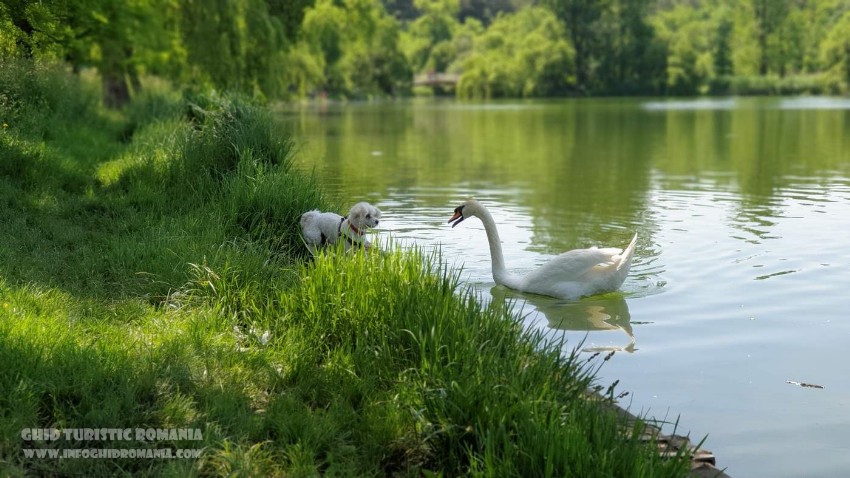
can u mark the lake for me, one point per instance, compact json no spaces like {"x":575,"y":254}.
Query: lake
{"x":738,"y":286}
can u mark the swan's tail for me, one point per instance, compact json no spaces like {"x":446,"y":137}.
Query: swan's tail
{"x":626,"y":257}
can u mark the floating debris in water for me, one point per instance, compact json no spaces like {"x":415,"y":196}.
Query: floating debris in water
{"x":801,"y":384}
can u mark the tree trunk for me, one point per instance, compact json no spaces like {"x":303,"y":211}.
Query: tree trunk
{"x":116,"y":92}
{"x":113,"y":73}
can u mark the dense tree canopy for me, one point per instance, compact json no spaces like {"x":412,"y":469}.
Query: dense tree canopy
{"x":520,"y":55}
{"x":363,"y":48}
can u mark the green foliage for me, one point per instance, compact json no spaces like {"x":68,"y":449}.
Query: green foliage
{"x":437,"y":42}
{"x":267,"y":203}
{"x":37,"y":104}
{"x":630,"y":57}
{"x":290,"y":13}
{"x":373,"y":58}
{"x":233,"y":44}
{"x":694,"y":47}
{"x":191,"y":156}
{"x":835,"y":54}
{"x":38,"y":29}
{"x":228,"y":131}
{"x":433,"y":29}
{"x":323,"y":31}
{"x":304,"y":72}
{"x":227,"y":44}
{"x":580,"y":18}
{"x":519,"y":55}
{"x":779,"y":37}
{"x":357,"y":46}
{"x":283,"y":49}
{"x":722,"y":49}
{"x":769,"y":18}
{"x":34,"y":97}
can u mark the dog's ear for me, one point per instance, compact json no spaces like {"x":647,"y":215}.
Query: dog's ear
{"x":356,"y":215}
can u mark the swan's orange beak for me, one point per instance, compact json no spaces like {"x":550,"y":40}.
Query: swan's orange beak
{"x":458,"y":216}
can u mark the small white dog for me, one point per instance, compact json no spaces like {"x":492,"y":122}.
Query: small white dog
{"x":321,"y":228}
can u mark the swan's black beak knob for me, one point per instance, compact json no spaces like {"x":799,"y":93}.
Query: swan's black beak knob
{"x":458,"y":216}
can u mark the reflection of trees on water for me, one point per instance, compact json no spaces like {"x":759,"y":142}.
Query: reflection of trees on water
{"x":755,"y":150}
{"x":608,"y":312}
{"x":594,"y":152}
{"x":595,"y":176}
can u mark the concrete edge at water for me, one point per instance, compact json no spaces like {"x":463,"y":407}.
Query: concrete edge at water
{"x":703,"y":462}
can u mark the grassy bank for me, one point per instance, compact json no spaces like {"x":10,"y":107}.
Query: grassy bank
{"x":151,"y":276}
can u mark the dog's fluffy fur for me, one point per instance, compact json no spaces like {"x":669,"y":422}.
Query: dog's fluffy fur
{"x":321,"y":228}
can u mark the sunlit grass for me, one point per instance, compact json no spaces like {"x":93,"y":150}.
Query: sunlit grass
{"x":162,"y":283}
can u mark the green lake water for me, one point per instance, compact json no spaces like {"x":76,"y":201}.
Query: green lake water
{"x":740,"y":277}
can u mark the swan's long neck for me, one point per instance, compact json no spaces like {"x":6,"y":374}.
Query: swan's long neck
{"x":500,"y":274}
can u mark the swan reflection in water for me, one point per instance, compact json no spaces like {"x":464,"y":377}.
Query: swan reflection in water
{"x":608,"y":312}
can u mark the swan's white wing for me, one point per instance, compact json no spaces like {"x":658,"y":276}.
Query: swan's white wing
{"x":572,"y":265}
{"x":580,"y":272}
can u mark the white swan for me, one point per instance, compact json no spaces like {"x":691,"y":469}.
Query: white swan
{"x":573,"y":274}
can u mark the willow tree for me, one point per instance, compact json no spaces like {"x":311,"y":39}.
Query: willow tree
{"x":357,"y":46}
{"x":521,"y":55}
{"x":428,"y":43}
{"x":231,"y":44}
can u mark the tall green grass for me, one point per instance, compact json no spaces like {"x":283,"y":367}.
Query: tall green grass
{"x":152,"y":275}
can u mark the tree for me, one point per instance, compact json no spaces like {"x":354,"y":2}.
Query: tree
{"x":323,"y":29}
{"x":630,"y":59}
{"x":290,"y":13}
{"x":835,"y":54}
{"x":372,"y":56}
{"x":485,"y":11}
{"x":722,"y":49}
{"x":433,"y":30}
{"x":697,"y":39}
{"x":819,"y":18}
{"x":519,"y":55}
{"x":580,"y":17}
{"x":119,"y":34}
{"x":110,"y":35}
{"x":17,"y":29}
{"x":357,"y":44}
{"x":760,"y":23}
{"x":682,"y":29}
{"x":233,"y":44}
